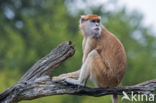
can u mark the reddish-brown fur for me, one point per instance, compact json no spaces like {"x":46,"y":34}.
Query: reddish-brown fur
{"x":91,"y":17}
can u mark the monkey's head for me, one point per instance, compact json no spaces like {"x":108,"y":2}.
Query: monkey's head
{"x":90,"y":25}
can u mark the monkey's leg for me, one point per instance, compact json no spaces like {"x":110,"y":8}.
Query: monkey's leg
{"x":67,"y":75}
{"x":84,"y":72}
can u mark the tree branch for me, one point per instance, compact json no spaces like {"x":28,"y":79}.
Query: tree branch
{"x":36,"y":82}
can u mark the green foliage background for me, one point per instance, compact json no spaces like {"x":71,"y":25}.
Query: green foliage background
{"x":29,"y":29}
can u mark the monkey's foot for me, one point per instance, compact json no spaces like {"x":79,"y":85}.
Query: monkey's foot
{"x":69,"y":81}
{"x":73,"y":82}
{"x":55,"y":79}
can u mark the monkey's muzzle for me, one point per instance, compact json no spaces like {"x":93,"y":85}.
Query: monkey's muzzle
{"x":97,"y":29}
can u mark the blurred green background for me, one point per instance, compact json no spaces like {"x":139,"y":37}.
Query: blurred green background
{"x":29,"y":29}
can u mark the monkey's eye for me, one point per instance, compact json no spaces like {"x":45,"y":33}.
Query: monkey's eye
{"x":93,"y":21}
{"x":98,"y":21}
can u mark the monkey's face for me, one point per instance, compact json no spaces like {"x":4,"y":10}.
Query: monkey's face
{"x":93,"y":28}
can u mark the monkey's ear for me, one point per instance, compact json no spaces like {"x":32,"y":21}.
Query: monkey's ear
{"x":82,"y":19}
{"x":82,"y":16}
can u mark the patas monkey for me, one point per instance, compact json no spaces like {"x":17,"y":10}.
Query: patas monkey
{"x":104,"y":57}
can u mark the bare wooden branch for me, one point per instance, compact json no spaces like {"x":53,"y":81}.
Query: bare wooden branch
{"x":37,"y":82}
{"x":38,"y":74}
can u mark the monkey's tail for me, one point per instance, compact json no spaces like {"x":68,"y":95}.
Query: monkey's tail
{"x":114,"y":98}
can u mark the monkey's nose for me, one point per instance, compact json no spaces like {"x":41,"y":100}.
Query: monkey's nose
{"x":97,"y":24}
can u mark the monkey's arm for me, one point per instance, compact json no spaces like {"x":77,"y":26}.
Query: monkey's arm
{"x":67,"y":75}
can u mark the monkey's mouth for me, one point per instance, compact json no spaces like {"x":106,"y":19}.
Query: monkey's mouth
{"x":97,"y":29}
